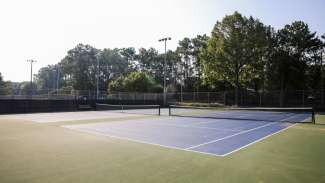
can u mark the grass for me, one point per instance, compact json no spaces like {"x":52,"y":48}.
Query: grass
{"x":34,"y":152}
{"x":320,"y":118}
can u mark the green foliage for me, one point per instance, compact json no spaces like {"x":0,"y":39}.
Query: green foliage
{"x":117,"y":85}
{"x":235,"y":52}
{"x":80,"y":63}
{"x":80,"y":68}
{"x":26,"y":89}
{"x":185,"y":51}
{"x":66,"y":90}
{"x":294,"y":57}
{"x":3,"y":87}
{"x":190,"y":64}
{"x":242,"y":54}
{"x":50,"y":77}
{"x":135,"y":82}
{"x":114,"y":63}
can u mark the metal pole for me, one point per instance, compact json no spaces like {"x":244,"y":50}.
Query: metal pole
{"x":182,"y":80}
{"x":97,"y":79}
{"x":165,"y":64}
{"x":31,"y":75}
{"x":321,"y":78}
{"x":303,"y":98}
{"x":165,"y":74}
{"x":58,"y":78}
{"x":181,"y":93}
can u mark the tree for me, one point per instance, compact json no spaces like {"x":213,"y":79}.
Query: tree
{"x":293,"y":57}
{"x":148,"y":61}
{"x":129,"y":54}
{"x":5,"y":86}
{"x":113,"y":64}
{"x":80,"y":66}
{"x":242,"y":54}
{"x":199,"y":43}
{"x":185,"y":51}
{"x":231,"y":53}
{"x":260,"y":41}
{"x":2,"y":86}
{"x":49,"y":77}
{"x":152,"y":63}
{"x":25,"y":88}
{"x":174,"y":75}
{"x":226,"y":50}
{"x":135,"y":82}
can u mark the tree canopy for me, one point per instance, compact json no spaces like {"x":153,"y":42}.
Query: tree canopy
{"x":135,"y":82}
{"x":241,"y":53}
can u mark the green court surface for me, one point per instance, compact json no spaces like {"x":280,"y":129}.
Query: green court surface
{"x":320,"y":118}
{"x":46,"y":152}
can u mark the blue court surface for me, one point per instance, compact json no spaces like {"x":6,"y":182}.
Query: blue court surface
{"x":218,"y":137}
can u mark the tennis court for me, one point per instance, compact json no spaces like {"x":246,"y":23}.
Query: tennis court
{"x":216,"y":133}
{"x":105,"y":146}
{"x":67,"y":116}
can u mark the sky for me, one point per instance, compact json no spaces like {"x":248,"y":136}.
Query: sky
{"x":44,"y":30}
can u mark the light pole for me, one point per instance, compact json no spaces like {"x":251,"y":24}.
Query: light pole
{"x":97,"y":78}
{"x":31,"y":74}
{"x":58,"y":78}
{"x":321,"y":77}
{"x":165,"y":41}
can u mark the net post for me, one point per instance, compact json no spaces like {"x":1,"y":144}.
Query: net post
{"x":122,"y":108}
{"x":303,"y":98}
{"x":260,"y":98}
{"x":169,"y":110}
{"x":158,"y":110}
{"x":313,"y":116}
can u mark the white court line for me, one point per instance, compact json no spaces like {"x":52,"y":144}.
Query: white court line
{"x":193,"y":126}
{"x":258,"y":140}
{"x":177,"y":148}
{"x":209,"y":142}
{"x":265,"y":136}
{"x":133,"y":140}
{"x":229,"y":136}
{"x":70,"y":127}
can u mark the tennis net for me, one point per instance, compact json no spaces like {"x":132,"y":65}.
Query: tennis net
{"x":291,"y":115}
{"x":131,"y":109}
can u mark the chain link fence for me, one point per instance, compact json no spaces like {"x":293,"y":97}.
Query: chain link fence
{"x":296,"y":98}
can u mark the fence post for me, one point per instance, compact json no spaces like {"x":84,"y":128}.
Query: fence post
{"x":303,"y":98}
{"x":225,"y":98}
{"x":193,"y":96}
{"x":280,"y":98}
{"x":144,"y":98}
{"x":208,"y":97}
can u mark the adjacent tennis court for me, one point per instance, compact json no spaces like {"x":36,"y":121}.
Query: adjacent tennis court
{"x":105,"y":146}
{"x":210,"y":132}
